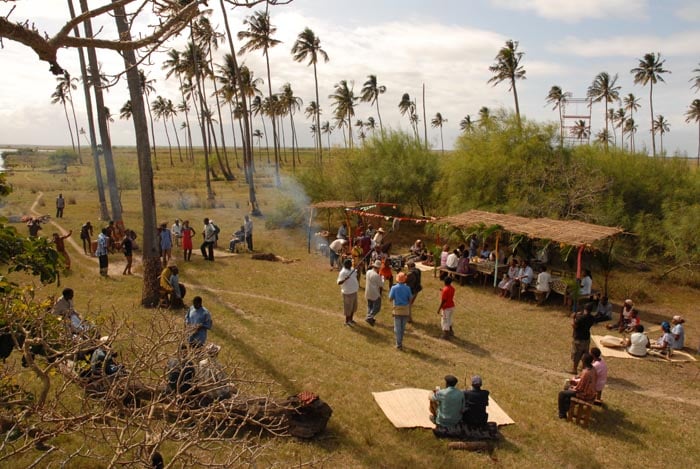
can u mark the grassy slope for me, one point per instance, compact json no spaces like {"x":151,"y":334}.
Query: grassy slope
{"x":284,"y":322}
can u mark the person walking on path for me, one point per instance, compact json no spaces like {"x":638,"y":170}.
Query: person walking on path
{"x":447,"y":308}
{"x":85,"y":236}
{"x":60,"y":205}
{"x":58,"y":240}
{"x":347,"y":279}
{"x":198,"y":322}
{"x":187,"y":233}
{"x":400,"y":294}
{"x":248,"y":231}
{"x":207,"y":246}
{"x":373,"y":292}
{"x":102,"y":253}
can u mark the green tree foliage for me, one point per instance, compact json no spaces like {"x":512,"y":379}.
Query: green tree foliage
{"x":63,"y":158}
{"x":390,"y":167}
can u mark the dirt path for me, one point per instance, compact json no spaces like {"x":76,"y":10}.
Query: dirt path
{"x":302,"y":306}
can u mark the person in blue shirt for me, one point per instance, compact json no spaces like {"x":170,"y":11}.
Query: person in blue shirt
{"x":400,"y":294}
{"x":450,"y":405}
{"x":198,"y":320}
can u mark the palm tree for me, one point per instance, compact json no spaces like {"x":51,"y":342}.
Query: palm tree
{"x":507,"y":68}
{"x":109,"y":117}
{"x":70,"y":84}
{"x":257,"y":133}
{"x":604,"y":89}
{"x":327,"y":129}
{"x":160,"y":109}
{"x":308,"y":45}
{"x":173,"y":64}
{"x":125,"y":112}
{"x":649,"y":70}
{"x":696,"y":79}
{"x":558,"y":99}
{"x":370,"y":94}
{"x":371,"y":124}
{"x":661,"y":126}
{"x":258,"y":107}
{"x":603,"y":137}
{"x":344,"y":104}
{"x":621,"y":119}
{"x":437,"y":122}
{"x":259,"y":37}
{"x":485,"y":119}
{"x":580,"y":130}
{"x":407,"y":107}
{"x":290,"y":104}
{"x":693,"y":114}
{"x":146,"y":89}
{"x":60,"y":95}
{"x":466,"y":124}
{"x":631,"y":103}
{"x":631,"y":128}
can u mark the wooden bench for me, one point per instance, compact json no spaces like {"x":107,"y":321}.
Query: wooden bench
{"x":461,"y":277}
{"x":579,"y":412}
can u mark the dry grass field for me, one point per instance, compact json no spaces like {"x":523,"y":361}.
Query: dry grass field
{"x":283,"y":322}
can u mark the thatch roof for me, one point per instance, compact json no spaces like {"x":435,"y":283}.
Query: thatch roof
{"x":573,"y":233}
{"x":335,"y":204}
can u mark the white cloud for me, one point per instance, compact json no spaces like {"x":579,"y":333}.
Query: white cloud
{"x":573,"y":12}
{"x":679,"y":44}
{"x":689,"y":12}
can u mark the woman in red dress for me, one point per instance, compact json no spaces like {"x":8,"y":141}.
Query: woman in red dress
{"x":187,"y":233}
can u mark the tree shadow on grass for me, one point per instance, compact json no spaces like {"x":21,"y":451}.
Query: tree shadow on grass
{"x":613,"y":422}
{"x":623,"y":383}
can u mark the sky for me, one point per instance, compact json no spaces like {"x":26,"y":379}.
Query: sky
{"x":446,"y":45}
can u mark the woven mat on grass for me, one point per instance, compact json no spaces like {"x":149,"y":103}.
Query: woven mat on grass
{"x":408,"y":408}
{"x":677,"y":356}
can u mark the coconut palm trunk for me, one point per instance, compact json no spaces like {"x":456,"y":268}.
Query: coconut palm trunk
{"x":75,"y":121}
{"x":104,"y":214}
{"x":102,"y":124}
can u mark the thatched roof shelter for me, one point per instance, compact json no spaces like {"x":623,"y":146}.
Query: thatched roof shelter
{"x":335,"y":204}
{"x":573,"y":233}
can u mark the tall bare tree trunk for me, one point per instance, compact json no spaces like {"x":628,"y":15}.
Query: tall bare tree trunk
{"x":102,"y":125}
{"x":151,"y":254}
{"x":104,"y":213}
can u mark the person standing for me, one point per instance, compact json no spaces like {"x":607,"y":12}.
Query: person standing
{"x":400,"y":294}
{"x":176,"y":231}
{"x":187,"y":234}
{"x":581,"y":324}
{"x":58,"y":240}
{"x":34,"y":227}
{"x":102,"y":252}
{"x":207,"y":247}
{"x":198,"y":322}
{"x":60,"y":205}
{"x":342,"y":231}
{"x":347,"y":279}
{"x":128,"y":249}
{"x":336,"y":250}
{"x":248,"y":231}
{"x":373,"y":292}
{"x":166,"y":243}
{"x":85,"y":236}
{"x":413,"y":281}
{"x":447,"y":308}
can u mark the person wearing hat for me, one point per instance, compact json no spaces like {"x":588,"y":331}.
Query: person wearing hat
{"x":347,"y":279}
{"x":400,"y":294}
{"x":664,"y":343}
{"x":378,"y":237}
{"x":446,"y":308}
{"x":678,"y":332}
{"x":475,"y":402}
{"x":373,"y":292}
{"x":447,"y":405}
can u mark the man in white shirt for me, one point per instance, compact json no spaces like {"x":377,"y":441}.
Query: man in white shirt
{"x":452,"y":261}
{"x":347,"y":279}
{"x":586,"y":283}
{"x":543,"y":280}
{"x":176,"y":230}
{"x":373,"y":292}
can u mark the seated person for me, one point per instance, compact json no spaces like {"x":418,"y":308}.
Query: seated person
{"x":601,"y":369}
{"x":586,"y":284}
{"x":664,"y":343}
{"x":638,"y":342}
{"x":171,"y":287}
{"x":418,"y":249}
{"x":446,"y":405}
{"x":625,"y":313}
{"x":603,"y":311}
{"x":102,"y":362}
{"x":236,"y":238}
{"x":506,"y":284}
{"x":475,"y":402}
{"x":452,"y":261}
{"x":524,"y":278}
{"x":584,"y":387}
{"x":632,"y":322}
{"x":463,"y":263}
{"x":543,"y":288}
{"x":485,"y":252}
{"x":64,"y":308}
{"x":678,"y":332}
